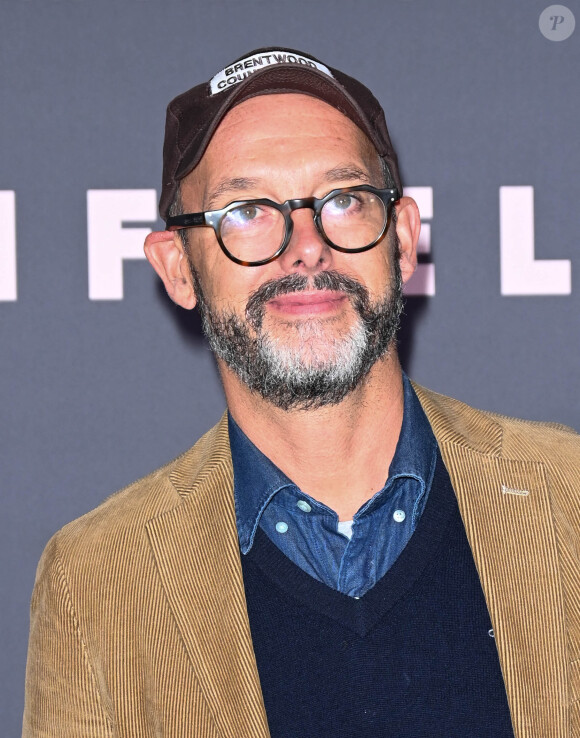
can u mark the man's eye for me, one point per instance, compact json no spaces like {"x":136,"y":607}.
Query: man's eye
{"x":346,"y":203}
{"x":244,"y":214}
{"x":342,"y":202}
{"x":250,"y":218}
{"x":248,"y":212}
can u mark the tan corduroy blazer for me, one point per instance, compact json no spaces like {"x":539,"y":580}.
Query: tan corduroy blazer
{"x":139,"y":627}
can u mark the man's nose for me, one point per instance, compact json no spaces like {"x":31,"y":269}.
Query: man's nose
{"x":307,"y":250}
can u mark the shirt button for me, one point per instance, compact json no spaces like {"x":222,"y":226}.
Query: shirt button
{"x":303,"y":505}
{"x":399,"y":516}
{"x":281,"y":527}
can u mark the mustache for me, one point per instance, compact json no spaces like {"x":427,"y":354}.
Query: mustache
{"x":327,"y":280}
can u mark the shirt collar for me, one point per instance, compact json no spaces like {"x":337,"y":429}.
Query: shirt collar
{"x":415,"y":454}
{"x":257,"y":479}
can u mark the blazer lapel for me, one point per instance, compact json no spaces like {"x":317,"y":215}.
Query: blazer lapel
{"x":506,"y":509}
{"x":195,"y":547}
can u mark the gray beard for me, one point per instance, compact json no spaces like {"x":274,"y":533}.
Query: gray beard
{"x":298,"y":379}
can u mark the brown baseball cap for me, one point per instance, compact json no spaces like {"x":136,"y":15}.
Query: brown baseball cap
{"x":193,"y":116}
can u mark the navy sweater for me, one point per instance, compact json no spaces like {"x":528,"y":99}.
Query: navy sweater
{"x":415,"y":657}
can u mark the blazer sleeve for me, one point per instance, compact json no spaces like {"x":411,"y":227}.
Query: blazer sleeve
{"x":63,"y":697}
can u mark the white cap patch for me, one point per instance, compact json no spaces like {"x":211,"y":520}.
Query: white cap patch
{"x":237,"y":72}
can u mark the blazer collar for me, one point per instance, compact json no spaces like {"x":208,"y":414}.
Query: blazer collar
{"x":454,"y":422}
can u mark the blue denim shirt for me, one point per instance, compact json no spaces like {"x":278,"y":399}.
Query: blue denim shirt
{"x":309,"y":533}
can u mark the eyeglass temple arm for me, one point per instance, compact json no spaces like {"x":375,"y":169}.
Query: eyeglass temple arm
{"x":191,"y":220}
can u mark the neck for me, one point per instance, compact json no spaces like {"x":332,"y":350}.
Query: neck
{"x":338,"y":454}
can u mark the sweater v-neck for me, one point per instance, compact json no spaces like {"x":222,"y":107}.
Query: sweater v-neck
{"x":362,"y":615}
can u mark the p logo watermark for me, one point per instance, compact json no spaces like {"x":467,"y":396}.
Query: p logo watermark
{"x":557,"y":23}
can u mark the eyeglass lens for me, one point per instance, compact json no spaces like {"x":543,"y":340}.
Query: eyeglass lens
{"x":350,"y":220}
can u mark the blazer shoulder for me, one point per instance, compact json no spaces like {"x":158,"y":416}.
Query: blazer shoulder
{"x":124,"y":514}
{"x":493,"y":433}
{"x":537,"y":440}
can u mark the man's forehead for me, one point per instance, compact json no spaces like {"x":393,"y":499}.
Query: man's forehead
{"x":281,"y":117}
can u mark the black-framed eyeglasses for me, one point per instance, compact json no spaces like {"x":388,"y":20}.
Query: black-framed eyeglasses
{"x":255,"y":232}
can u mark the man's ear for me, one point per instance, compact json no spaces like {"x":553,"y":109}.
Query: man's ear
{"x":164,"y":251}
{"x":408,"y":228}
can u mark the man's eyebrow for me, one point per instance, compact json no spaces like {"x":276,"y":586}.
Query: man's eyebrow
{"x":347,"y":171}
{"x":230,"y":185}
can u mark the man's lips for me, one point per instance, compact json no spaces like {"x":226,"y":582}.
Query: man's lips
{"x":308,"y":302}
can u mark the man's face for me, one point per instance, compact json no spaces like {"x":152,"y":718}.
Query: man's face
{"x":305,"y":329}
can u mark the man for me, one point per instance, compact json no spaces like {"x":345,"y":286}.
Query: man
{"x":343,"y":554}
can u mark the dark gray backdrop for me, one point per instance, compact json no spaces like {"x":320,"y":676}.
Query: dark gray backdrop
{"x":96,"y":393}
